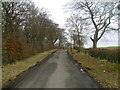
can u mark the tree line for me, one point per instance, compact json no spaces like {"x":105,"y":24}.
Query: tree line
{"x":27,"y":30}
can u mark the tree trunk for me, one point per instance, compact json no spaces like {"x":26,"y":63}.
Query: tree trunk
{"x":74,"y":44}
{"x":94,"y":44}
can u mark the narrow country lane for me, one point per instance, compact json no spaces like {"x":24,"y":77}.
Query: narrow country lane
{"x":57,"y":72}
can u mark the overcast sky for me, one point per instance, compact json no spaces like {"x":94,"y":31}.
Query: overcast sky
{"x":56,"y":9}
{"x":59,"y":16}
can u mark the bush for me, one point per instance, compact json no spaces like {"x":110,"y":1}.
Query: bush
{"x":4,"y":55}
{"x":14,"y":49}
{"x":110,"y":55}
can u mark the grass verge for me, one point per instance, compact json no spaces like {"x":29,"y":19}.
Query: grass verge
{"x":104,"y":72}
{"x":11,"y":71}
{"x":0,"y":76}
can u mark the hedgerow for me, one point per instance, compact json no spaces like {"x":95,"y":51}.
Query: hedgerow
{"x":110,"y":55}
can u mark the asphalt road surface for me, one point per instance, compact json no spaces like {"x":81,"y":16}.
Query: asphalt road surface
{"x":57,"y":72}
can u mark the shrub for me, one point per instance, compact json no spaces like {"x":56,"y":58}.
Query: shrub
{"x":4,"y":55}
{"x":14,"y":49}
{"x":110,"y":55}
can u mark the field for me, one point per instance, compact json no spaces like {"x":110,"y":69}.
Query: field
{"x":112,"y":47}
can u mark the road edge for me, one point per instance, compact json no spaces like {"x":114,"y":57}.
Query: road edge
{"x":79,"y":66}
{"x":13,"y":82}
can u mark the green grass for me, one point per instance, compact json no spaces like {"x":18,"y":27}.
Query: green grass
{"x":10,"y":71}
{"x":104,"y":72}
{"x":112,"y":47}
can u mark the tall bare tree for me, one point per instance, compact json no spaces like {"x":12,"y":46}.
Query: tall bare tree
{"x":101,"y":14}
{"x":75,"y":24}
{"x":26,"y":30}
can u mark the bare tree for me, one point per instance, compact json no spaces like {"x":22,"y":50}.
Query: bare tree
{"x":62,"y":40}
{"x":26,"y":30}
{"x":100,"y":14}
{"x":75,"y":24}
